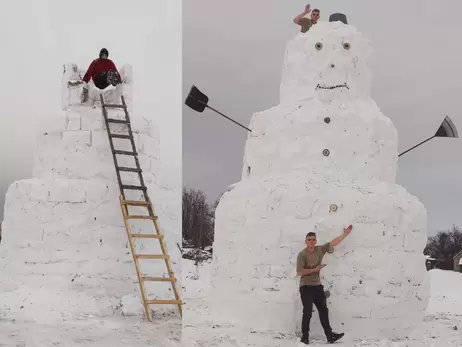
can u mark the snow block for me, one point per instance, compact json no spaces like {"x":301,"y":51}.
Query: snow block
{"x":322,"y":159}
{"x":76,"y":139}
{"x":61,"y":153}
{"x":74,"y":121}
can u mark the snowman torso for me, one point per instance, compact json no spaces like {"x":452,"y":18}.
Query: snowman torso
{"x":333,"y":139}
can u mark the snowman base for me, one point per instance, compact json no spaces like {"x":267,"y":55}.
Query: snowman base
{"x":376,"y":277}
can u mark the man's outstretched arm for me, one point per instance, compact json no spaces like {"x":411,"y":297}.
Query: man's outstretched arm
{"x":303,"y":14}
{"x":340,"y":238}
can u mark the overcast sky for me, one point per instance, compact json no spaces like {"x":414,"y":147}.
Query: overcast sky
{"x":233,"y":51}
{"x":38,"y":37}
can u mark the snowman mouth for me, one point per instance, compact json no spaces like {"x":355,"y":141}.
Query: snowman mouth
{"x":323,"y":86}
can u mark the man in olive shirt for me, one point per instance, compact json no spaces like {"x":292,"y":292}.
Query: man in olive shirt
{"x":305,"y":22}
{"x":311,"y":290}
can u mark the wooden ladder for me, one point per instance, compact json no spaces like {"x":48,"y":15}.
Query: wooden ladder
{"x":146,"y":203}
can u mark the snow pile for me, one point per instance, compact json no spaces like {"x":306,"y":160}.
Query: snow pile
{"x":64,"y":248}
{"x":324,"y":158}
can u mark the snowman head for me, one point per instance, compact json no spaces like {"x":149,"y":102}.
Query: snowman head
{"x":327,"y":62}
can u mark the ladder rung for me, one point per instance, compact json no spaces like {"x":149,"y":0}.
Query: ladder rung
{"x":156,"y":302}
{"x":151,"y":256}
{"x":146,"y":236}
{"x":113,"y":106}
{"x":129,"y":169}
{"x":125,"y":152}
{"x":135,"y":203}
{"x":142,"y":217}
{"x":121,"y":136}
{"x":135,"y":187}
{"x":122,"y":121}
{"x":159,"y":279}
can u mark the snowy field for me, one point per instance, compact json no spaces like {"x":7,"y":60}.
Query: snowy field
{"x":94,"y":332}
{"x":442,"y":326}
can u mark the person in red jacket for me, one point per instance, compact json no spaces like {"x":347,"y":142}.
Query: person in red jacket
{"x":102,"y":71}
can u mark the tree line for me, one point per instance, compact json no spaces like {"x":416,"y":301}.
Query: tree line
{"x":444,"y":246}
{"x":199,"y":223}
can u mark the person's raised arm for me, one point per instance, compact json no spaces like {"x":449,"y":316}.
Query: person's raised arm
{"x":303,"y":14}
{"x":340,"y":238}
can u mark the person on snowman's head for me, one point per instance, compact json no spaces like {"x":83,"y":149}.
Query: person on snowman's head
{"x":102,"y":71}
{"x":306,"y":22}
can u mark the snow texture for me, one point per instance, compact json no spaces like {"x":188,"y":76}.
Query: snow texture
{"x":65,"y":251}
{"x":93,"y":332}
{"x":321,"y":160}
{"x":441,"y":326}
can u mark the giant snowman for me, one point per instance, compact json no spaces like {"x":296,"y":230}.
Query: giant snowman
{"x":324,"y":158}
{"x":64,"y":251}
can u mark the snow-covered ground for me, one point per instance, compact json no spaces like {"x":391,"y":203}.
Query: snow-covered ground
{"x":93,"y":332}
{"x":442,"y":326}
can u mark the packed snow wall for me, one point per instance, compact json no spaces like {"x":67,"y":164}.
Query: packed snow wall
{"x":65,"y":251}
{"x":322,"y":159}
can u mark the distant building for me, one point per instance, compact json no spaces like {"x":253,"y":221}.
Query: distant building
{"x":458,"y":262}
{"x":432,"y":263}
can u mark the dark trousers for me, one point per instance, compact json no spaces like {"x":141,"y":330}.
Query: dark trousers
{"x":316,"y":295}
{"x":103,"y":80}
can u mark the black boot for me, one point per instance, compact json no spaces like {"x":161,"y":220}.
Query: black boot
{"x":305,"y":340}
{"x":112,"y":78}
{"x":332,"y":337}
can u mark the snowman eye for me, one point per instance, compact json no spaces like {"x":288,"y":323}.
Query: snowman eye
{"x":347,"y":46}
{"x":318,"y":46}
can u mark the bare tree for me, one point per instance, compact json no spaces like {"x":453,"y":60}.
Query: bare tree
{"x":197,"y":220}
{"x":445,"y":245}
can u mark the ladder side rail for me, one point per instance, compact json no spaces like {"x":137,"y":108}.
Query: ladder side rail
{"x":132,"y":140}
{"x":137,"y":265}
{"x":116,"y":165}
